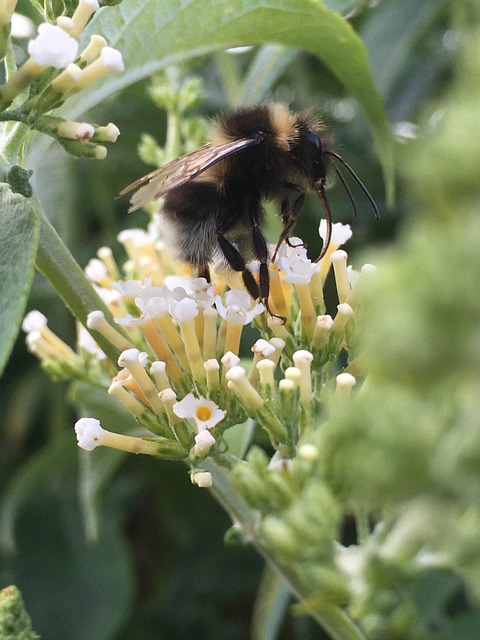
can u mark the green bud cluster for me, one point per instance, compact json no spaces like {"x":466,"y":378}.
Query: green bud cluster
{"x":298,"y":519}
{"x":50,"y":75}
{"x":15,"y":623}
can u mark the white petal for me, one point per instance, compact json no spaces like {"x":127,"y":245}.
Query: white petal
{"x":53,"y":47}
{"x":89,"y":433}
{"x":34,"y":321}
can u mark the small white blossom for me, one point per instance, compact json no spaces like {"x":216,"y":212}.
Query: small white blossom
{"x":203,"y":479}
{"x":110,"y":297}
{"x":177,"y":282}
{"x":131,"y":356}
{"x":150,"y":291}
{"x":80,"y":131}
{"x":129,"y":321}
{"x":129,"y":288}
{"x":230,"y":360}
{"x":96,"y":270}
{"x":183,"y":310}
{"x":294,"y":247}
{"x":345,"y":383}
{"x":112,"y":59}
{"x":53,"y":47}
{"x":22,"y":27}
{"x":34,"y":321}
{"x":263,"y":348}
{"x":107,"y":133}
{"x":154,"y":307}
{"x":139,"y":237}
{"x":297,"y":269}
{"x":205,"y":412}
{"x":237,"y":309}
{"x":202,"y":292}
{"x":89,"y":432}
{"x":204,"y":441}
{"x":340,"y":233}
{"x":353,"y":276}
{"x":88,"y":344}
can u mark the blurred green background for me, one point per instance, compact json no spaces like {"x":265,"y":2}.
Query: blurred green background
{"x":160,"y":569}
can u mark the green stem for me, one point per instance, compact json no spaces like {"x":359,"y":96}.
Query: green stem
{"x":58,"y":265}
{"x":329,"y":616}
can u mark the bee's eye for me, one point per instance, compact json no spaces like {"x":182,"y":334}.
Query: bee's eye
{"x":314,"y":139}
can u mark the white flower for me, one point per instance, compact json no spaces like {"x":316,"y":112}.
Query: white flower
{"x":96,"y":271}
{"x":109,"y":296}
{"x":88,"y":344}
{"x":263,"y":348}
{"x":294,"y":247}
{"x":53,"y":47}
{"x":150,"y":291}
{"x":89,"y":432}
{"x":22,"y":27}
{"x":237,"y":307}
{"x":202,"y":292}
{"x":177,"y":282}
{"x":353,"y":276}
{"x":81,"y":131}
{"x":203,"y":479}
{"x":130,"y":288}
{"x":297,"y":269}
{"x":205,"y":412}
{"x":107,"y":133}
{"x":230,"y":360}
{"x":183,"y":310}
{"x":112,"y":59}
{"x":153,"y":308}
{"x":132,"y":356}
{"x":204,"y":441}
{"x":34,"y":321}
{"x":139,"y":237}
{"x":129,"y":321}
{"x":340,"y":233}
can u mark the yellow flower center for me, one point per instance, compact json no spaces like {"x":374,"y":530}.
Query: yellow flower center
{"x":203,"y":413}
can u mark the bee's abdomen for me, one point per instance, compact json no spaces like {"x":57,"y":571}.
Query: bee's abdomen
{"x":190,"y":217}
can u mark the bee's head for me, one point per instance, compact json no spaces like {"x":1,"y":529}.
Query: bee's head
{"x":313,"y":157}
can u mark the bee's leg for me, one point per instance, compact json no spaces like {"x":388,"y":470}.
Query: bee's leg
{"x":260,"y":249}
{"x":290,"y":213}
{"x":204,"y":272}
{"x":237,"y":262}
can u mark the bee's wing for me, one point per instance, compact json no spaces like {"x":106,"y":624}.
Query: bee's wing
{"x":173,"y":174}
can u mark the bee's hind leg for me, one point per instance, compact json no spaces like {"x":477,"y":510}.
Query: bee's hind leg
{"x":204,"y":272}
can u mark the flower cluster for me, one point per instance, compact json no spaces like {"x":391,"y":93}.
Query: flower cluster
{"x":179,"y":341}
{"x":54,"y":71}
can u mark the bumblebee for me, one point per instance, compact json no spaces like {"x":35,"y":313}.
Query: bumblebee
{"x":213,"y":197}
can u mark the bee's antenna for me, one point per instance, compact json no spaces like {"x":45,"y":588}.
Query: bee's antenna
{"x":347,"y":189}
{"x":328,"y":217}
{"x":357,"y":180}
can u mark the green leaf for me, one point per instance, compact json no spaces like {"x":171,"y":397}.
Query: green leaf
{"x":390,"y":33}
{"x":18,"y":247}
{"x":152,"y":35}
{"x":272,"y":600}
{"x":50,"y":461}
{"x":73,"y":590}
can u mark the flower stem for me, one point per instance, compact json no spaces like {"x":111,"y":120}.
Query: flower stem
{"x":58,"y":265}
{"x":329,"y":616}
